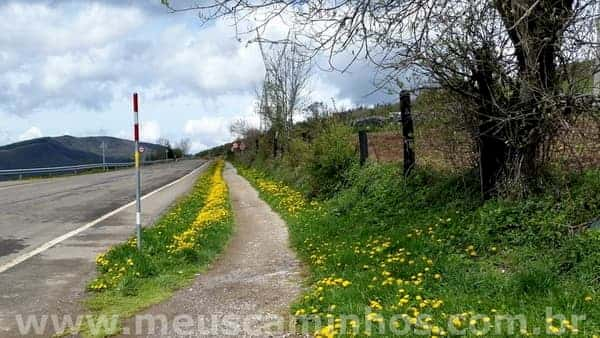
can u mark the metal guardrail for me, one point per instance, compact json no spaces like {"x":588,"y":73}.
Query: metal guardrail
{"x":73,"y":168}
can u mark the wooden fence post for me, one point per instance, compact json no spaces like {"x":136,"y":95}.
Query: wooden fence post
{"x":363,"y":145}
{"x":407,"y":132}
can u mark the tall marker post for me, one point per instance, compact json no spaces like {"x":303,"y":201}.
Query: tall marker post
{"x":138,"y":203}
{"x":103,"y":156}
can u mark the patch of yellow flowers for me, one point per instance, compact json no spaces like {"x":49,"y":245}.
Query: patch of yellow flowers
{"x":408,"y":276}
{"x":101,"y":260}
{"x":404,"y":278}
{"x":214,"y":211}
{"x":389,"y":266}
{"x":115,"y":273}
{"x":289,"y":199}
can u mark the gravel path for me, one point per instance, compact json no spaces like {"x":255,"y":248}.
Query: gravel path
{"x":248,"y":289}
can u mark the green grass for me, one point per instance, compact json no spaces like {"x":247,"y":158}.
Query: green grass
{"x":432,"y":242}
{"x":129,"y":281}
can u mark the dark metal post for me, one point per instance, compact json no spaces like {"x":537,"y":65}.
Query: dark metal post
{"x":407,"y":132}
{"x":363,"y":145}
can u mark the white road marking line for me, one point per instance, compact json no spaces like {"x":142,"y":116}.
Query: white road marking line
{"x":22,"y":185}
{"x":72,"y":233}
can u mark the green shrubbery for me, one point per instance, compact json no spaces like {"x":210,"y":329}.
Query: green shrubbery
{"x":332,"y":155}
{"x":498,"y":257}
{"x":503,"y":256}
{"x":316,"y":164}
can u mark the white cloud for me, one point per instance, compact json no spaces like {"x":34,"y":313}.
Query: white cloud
{"x":52,"y":30}
{"x":65,"y":63}
{"x":149,"y":131}
{"x":87,"y":55}
{"x":196,"y":147}
{"x":31,"y":133}
{"x":62,"y":55}
{"x":208,"y":61}
{"x":4,"y":137}
{"x":208,"y":130}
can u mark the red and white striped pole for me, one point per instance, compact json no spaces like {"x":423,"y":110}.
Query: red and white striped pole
{"x":138,"y":189}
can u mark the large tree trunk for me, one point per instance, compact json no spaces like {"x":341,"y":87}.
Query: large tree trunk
{"x":492,"y":158}
{"x":510,"y":137}
{"x":492,"y":148}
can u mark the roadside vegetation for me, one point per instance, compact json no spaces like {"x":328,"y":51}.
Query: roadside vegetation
{"x":428,"y":251}
{"x":497,"y":218}
{"x":429,"y":254}
{"x":182,"y":243}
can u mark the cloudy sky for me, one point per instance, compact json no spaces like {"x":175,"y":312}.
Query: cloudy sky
{"x":70,"y":66}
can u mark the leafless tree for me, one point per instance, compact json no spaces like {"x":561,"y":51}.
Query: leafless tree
{"x":287,"y":73}
{"x":317,"y":110}
{"x":242,"y":130}
{"x":521,"y":68}
{"x":163,"y":141}
{"x":239,"y":128}
{"x":184,"y":146}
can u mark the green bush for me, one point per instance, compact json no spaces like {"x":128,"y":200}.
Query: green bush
{"x":332,"y":156}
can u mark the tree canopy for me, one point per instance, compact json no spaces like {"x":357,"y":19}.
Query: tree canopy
{"x":522,"y":68}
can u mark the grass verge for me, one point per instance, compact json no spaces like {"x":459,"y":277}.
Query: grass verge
{"x":182,"y":243}
{"x":425,"y":257}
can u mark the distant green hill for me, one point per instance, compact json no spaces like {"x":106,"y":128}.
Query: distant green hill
{"x":69,"y":150}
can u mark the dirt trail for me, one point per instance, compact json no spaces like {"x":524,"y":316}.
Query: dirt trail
{"x":246,"y":292}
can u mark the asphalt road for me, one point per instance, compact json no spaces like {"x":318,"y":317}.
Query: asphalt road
{"x":32,"y":213}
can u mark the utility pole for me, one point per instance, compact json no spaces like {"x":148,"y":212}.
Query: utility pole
{"x":103,"y":146}
{"x":138,"y":203}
